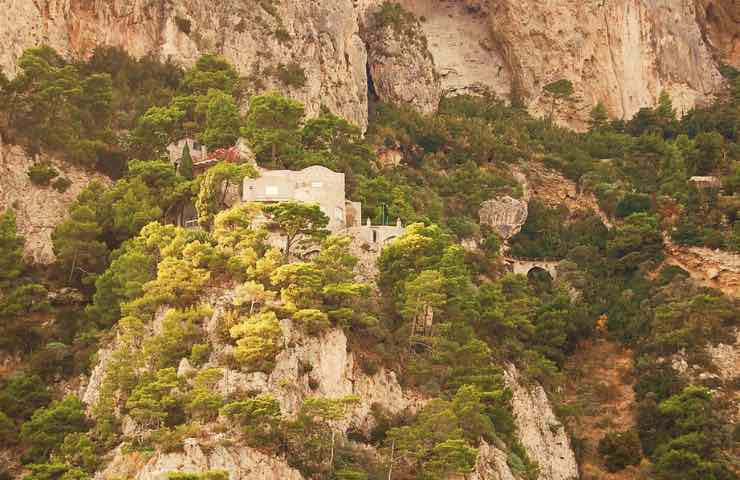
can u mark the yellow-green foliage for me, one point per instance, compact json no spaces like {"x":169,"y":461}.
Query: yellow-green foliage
{"x":258,"y":340}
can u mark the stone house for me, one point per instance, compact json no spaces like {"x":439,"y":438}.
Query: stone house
{"x":375,"y":234}
{"x":318,"y":184}
{"x":198,"y":152}
{"x":706,"y":182}
{"x":315,"y":184}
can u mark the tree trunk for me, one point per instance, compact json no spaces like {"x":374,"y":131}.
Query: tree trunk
{"x":74,"y":265}
{"x":390,"y":464}
{"x":331,"y":458}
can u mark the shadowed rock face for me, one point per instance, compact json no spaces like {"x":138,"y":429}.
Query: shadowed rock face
{"x":505,"y":215}
{"x":400,"y":65}
{"x":720,"y":24}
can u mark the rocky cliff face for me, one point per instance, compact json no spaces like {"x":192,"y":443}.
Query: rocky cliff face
{"x":719,"y":20}
{"x":240,"y":462}
{"x":38,"y":209}
{"x":622,"y":53}
{"x":323,"y":366}
{"x":318,"y":38}
{"x":540,"y":431}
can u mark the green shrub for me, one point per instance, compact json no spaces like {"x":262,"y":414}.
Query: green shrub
{"x":620,"y":449}
{"x":22,"y":395}
{"x":199,"y":353}
{"x":8,"y":431}
{"x":209,"y":475}
{"x":292,"y":74}
{"x":42,"y":173}
{"x":47,"y":428}
{"x":633,"y":203}
{"x":61,"y":184}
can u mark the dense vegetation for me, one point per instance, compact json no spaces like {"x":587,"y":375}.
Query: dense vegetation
{"x":447,"y":320}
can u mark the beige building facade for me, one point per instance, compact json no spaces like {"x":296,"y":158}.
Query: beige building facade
{"x":314,"y":184}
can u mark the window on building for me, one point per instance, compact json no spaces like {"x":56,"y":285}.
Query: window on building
{"x":317,"y":184}
{"x":375,"y":236}
{"x":271,"y":190}
{"x":338,"y":214}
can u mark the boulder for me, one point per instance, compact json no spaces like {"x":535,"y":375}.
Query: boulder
{"x":505,"y":215}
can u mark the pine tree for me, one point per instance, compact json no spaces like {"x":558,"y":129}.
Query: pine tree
{"x":186,"y":163}
{"x":11,"y":249}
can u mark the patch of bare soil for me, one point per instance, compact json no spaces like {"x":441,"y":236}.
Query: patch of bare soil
{"x":712,"y":268}
{"x":599,"y":396}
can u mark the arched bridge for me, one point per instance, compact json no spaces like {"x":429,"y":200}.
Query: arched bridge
{"x":523,"y":267}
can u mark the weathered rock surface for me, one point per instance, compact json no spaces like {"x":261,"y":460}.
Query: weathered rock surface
{"x":726,"y":358}
{"x":321,"y":37}
{"x":713,"y":268}
{"x":720,"y":24}
{"x":38,"y":209}
{"x":504,"y":215}
{"x":541,"y":433}
{"x":400,"y":66}
{"x":460,"y":41}
{"x":623,"y":53}
{"x":241,"y":463}
{"x":322,"y":366}
{"x":491,"y":464}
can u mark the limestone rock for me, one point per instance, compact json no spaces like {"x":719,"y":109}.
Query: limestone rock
{"x":621,"y":53}
{"x":91,"y":391}
{"x":66,"y":296}
{"x":461,"y":44}
{"x":38,"y":209}
{"x":241,"y":463}
{"x":399,"y":63}
{"x":322,"y":366}
{"x":720,"y":24}
{"x":491,"y":464}
{"x":184,"y":369}
{"x":505,"y":215}
{"x":320,"y":37}
{"x":541,"y":433}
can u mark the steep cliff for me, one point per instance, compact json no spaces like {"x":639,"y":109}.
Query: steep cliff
{"x":310,"y":50}
{"x":719,"y":21}
{"x":38,"y":209}
{"x":621,"y":53}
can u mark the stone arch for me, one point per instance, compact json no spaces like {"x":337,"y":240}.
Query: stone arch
{"x":535,"y":270}
{"x":523,"y":267}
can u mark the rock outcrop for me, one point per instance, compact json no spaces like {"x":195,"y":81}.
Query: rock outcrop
{"x":491,"y":464}
{"x":400,"y":66}
{"x":460,"y":42}
{"x":713,"y":268}
{"x":317,"y":40}
{"x":720,"y":24}
{"x":322,"y":366}
{"x":241,"y":463}
{"x":541,"y":433}
{"x":621,"y":53}
{"x":504,"y":215}
{"x":38,"y":209}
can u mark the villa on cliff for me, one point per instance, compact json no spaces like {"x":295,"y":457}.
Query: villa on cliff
{"x":314,"y":184}
{"x":320,"y":185}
